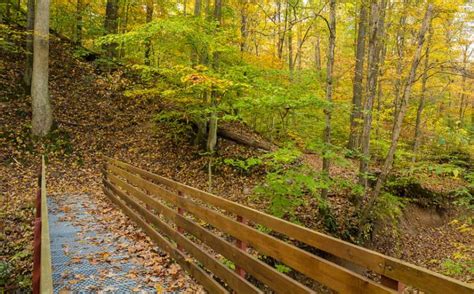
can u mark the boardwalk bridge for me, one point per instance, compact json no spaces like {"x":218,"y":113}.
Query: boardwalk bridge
{"x":206,"y":233}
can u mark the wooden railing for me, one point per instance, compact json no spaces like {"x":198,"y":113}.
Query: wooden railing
{"x":42,"y":273}
{"x":178,"y":218}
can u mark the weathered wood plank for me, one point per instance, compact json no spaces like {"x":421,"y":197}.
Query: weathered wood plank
{"x":319,"y":269}
{"x":232,"y":279}
{"x":409,"y":274}
{"x":199,"y":274}
{"x":261,"y":271}
{"x":46,"y":277}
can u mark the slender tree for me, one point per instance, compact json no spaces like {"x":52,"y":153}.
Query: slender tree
{"x":463,"y":101}
{"x":79,"y":12}
{"x":30,"y":22}
{"x":400,"y":47}
{"x":404,"y":104}
{"x":373,"y":71}
{"x":212,"y":135}
{"x":149,"y":18}
{"x":329,"y":89}
{"x":356,"y":114}
{"x":421,"y":103}
{"x":111,"y":24}
{"x":244,"y":25}
{"x":42,"y":113}
{"x":317,"y":53}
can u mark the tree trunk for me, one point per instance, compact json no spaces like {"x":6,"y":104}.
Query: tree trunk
{"x":291,"y":66}
{"x":463,"y":103}
{"x":299,"y":49}
{"x":400,"y":65}
{"x":421,"y":104}
{"x":197,"y":7}
{"x":149,"y":18}
{"x":212,"y":134}
{"x":243,"y":26}
{"x":111,"y":25}
{"x":404,"y":104}
{"x":317,"y":53}
{"x":381,"y":61}
{"x":42,"y":113}
{"x":78,"y":35}
{"x":329,"y":90}
{"x":30,"y":22}
{"x":373,"y":71}
{"x":356,"y":114}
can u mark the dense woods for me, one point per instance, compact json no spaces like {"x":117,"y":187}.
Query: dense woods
{"x":366,"y":104}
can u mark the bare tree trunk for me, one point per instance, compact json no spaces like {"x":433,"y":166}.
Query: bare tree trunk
{"x":111,"y":25}
{"x":185,"y":4}
{"x":197,"y":8}
{"x":356,"y":114}
{"x":78,"y":33}
{"x":463,"y":103}
{"x":421,"y":103}
{"x":30,"y":22}
{"x":212,"y":135}
{"x":299,"y":49}
{"x":404,"y":104}
{"x":243,"y":26}
{"x":317,"y":53}
{"x":291,"y":66}
{"x":149,"y":18}
{"x":8,"y":11}
{"x":373,"y":68}
{"x":42,"y":113}
{"x":400,"y":65}
{"x":281,"y":32}
{"x":329,"y":90}
{"x":383,"y":53}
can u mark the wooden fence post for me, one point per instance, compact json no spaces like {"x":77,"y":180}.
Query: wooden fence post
{"x":180,"y":212}
{"x":242,"y":246}
{"x":392,"y":284}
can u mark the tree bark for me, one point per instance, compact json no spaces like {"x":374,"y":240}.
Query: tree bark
{"x":463,"y":103}
{"x":317,"y":53}
{"x":111,"y":25}
{"x":243,"y":26}
{"x":421,"y":103}
{"x":404,"y":104}
{"x":373,"y":71}
{"x":329,"y":91}
{"x":381,"y":61}
{"x":78,"y":35}
{"x":401,"y":58}
{"x":42,"y":113}
{"x":197,"y":7}
{"x":30,"y":22}
{"x":291,"y":66}
{"x":356,"y":114}
{"x":149,"y":18}
{"x":212,"y":134}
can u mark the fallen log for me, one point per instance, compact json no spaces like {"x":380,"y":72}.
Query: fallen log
{"x":244,"y":139}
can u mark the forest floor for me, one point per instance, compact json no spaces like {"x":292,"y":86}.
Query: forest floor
{"x":94,"y":118}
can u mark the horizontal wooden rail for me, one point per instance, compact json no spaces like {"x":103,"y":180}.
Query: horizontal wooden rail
{"x":319,"y":269}
{"x":235,"y":281}
{"x":271,"y":277}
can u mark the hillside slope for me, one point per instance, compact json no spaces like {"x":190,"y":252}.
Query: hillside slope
{"x":94,"y":118}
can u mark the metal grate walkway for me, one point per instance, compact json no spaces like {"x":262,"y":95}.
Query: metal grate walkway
{"x":84,"y":258}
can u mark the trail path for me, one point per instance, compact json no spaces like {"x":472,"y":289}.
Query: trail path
{"x":88,"y":254}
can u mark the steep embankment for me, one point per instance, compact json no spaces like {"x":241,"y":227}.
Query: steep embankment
{"x":92,"y":118}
